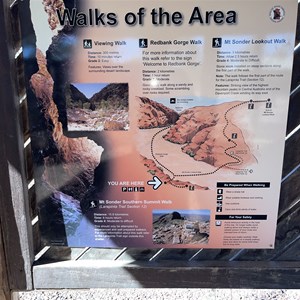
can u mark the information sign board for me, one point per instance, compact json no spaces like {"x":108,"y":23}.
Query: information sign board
{"x":158,"y":123}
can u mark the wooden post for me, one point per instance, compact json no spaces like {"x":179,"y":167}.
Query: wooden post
{"x":16,"y":236}
{"x":4,"y":289}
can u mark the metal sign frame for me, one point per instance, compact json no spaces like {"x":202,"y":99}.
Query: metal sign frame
{"x":27,"y":264}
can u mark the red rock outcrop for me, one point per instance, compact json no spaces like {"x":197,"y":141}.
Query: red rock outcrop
{"x":153,"y":114}
{"x":206,"y":134}
{"x":191,"y":122}
{"x":51,"y":6}
{"x":70,"y":166}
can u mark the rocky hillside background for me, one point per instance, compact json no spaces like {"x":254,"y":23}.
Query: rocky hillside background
{"x":113,"y":96}
{"x":74,"y":97}
{"x":153,"y":114}
{"x":174,"y":228}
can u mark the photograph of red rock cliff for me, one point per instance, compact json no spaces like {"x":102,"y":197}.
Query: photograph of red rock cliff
{"x":65,"y":163}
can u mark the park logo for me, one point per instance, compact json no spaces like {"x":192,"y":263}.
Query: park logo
{"x":277,"y":14}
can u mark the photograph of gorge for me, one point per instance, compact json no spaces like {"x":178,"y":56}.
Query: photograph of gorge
{"x":97,"y":106}
{"x":181,"y":227}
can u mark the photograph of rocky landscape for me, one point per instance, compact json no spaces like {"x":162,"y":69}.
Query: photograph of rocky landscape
{"x":97,"y":107}
{"x":181,"y":227}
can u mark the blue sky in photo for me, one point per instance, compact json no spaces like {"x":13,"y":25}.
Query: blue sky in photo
{"x":89,"y":89}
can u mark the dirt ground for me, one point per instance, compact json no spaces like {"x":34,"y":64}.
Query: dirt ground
{"x":161,"y":294}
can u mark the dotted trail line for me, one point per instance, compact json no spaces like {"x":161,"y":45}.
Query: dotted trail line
{"x":237,"y":160}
